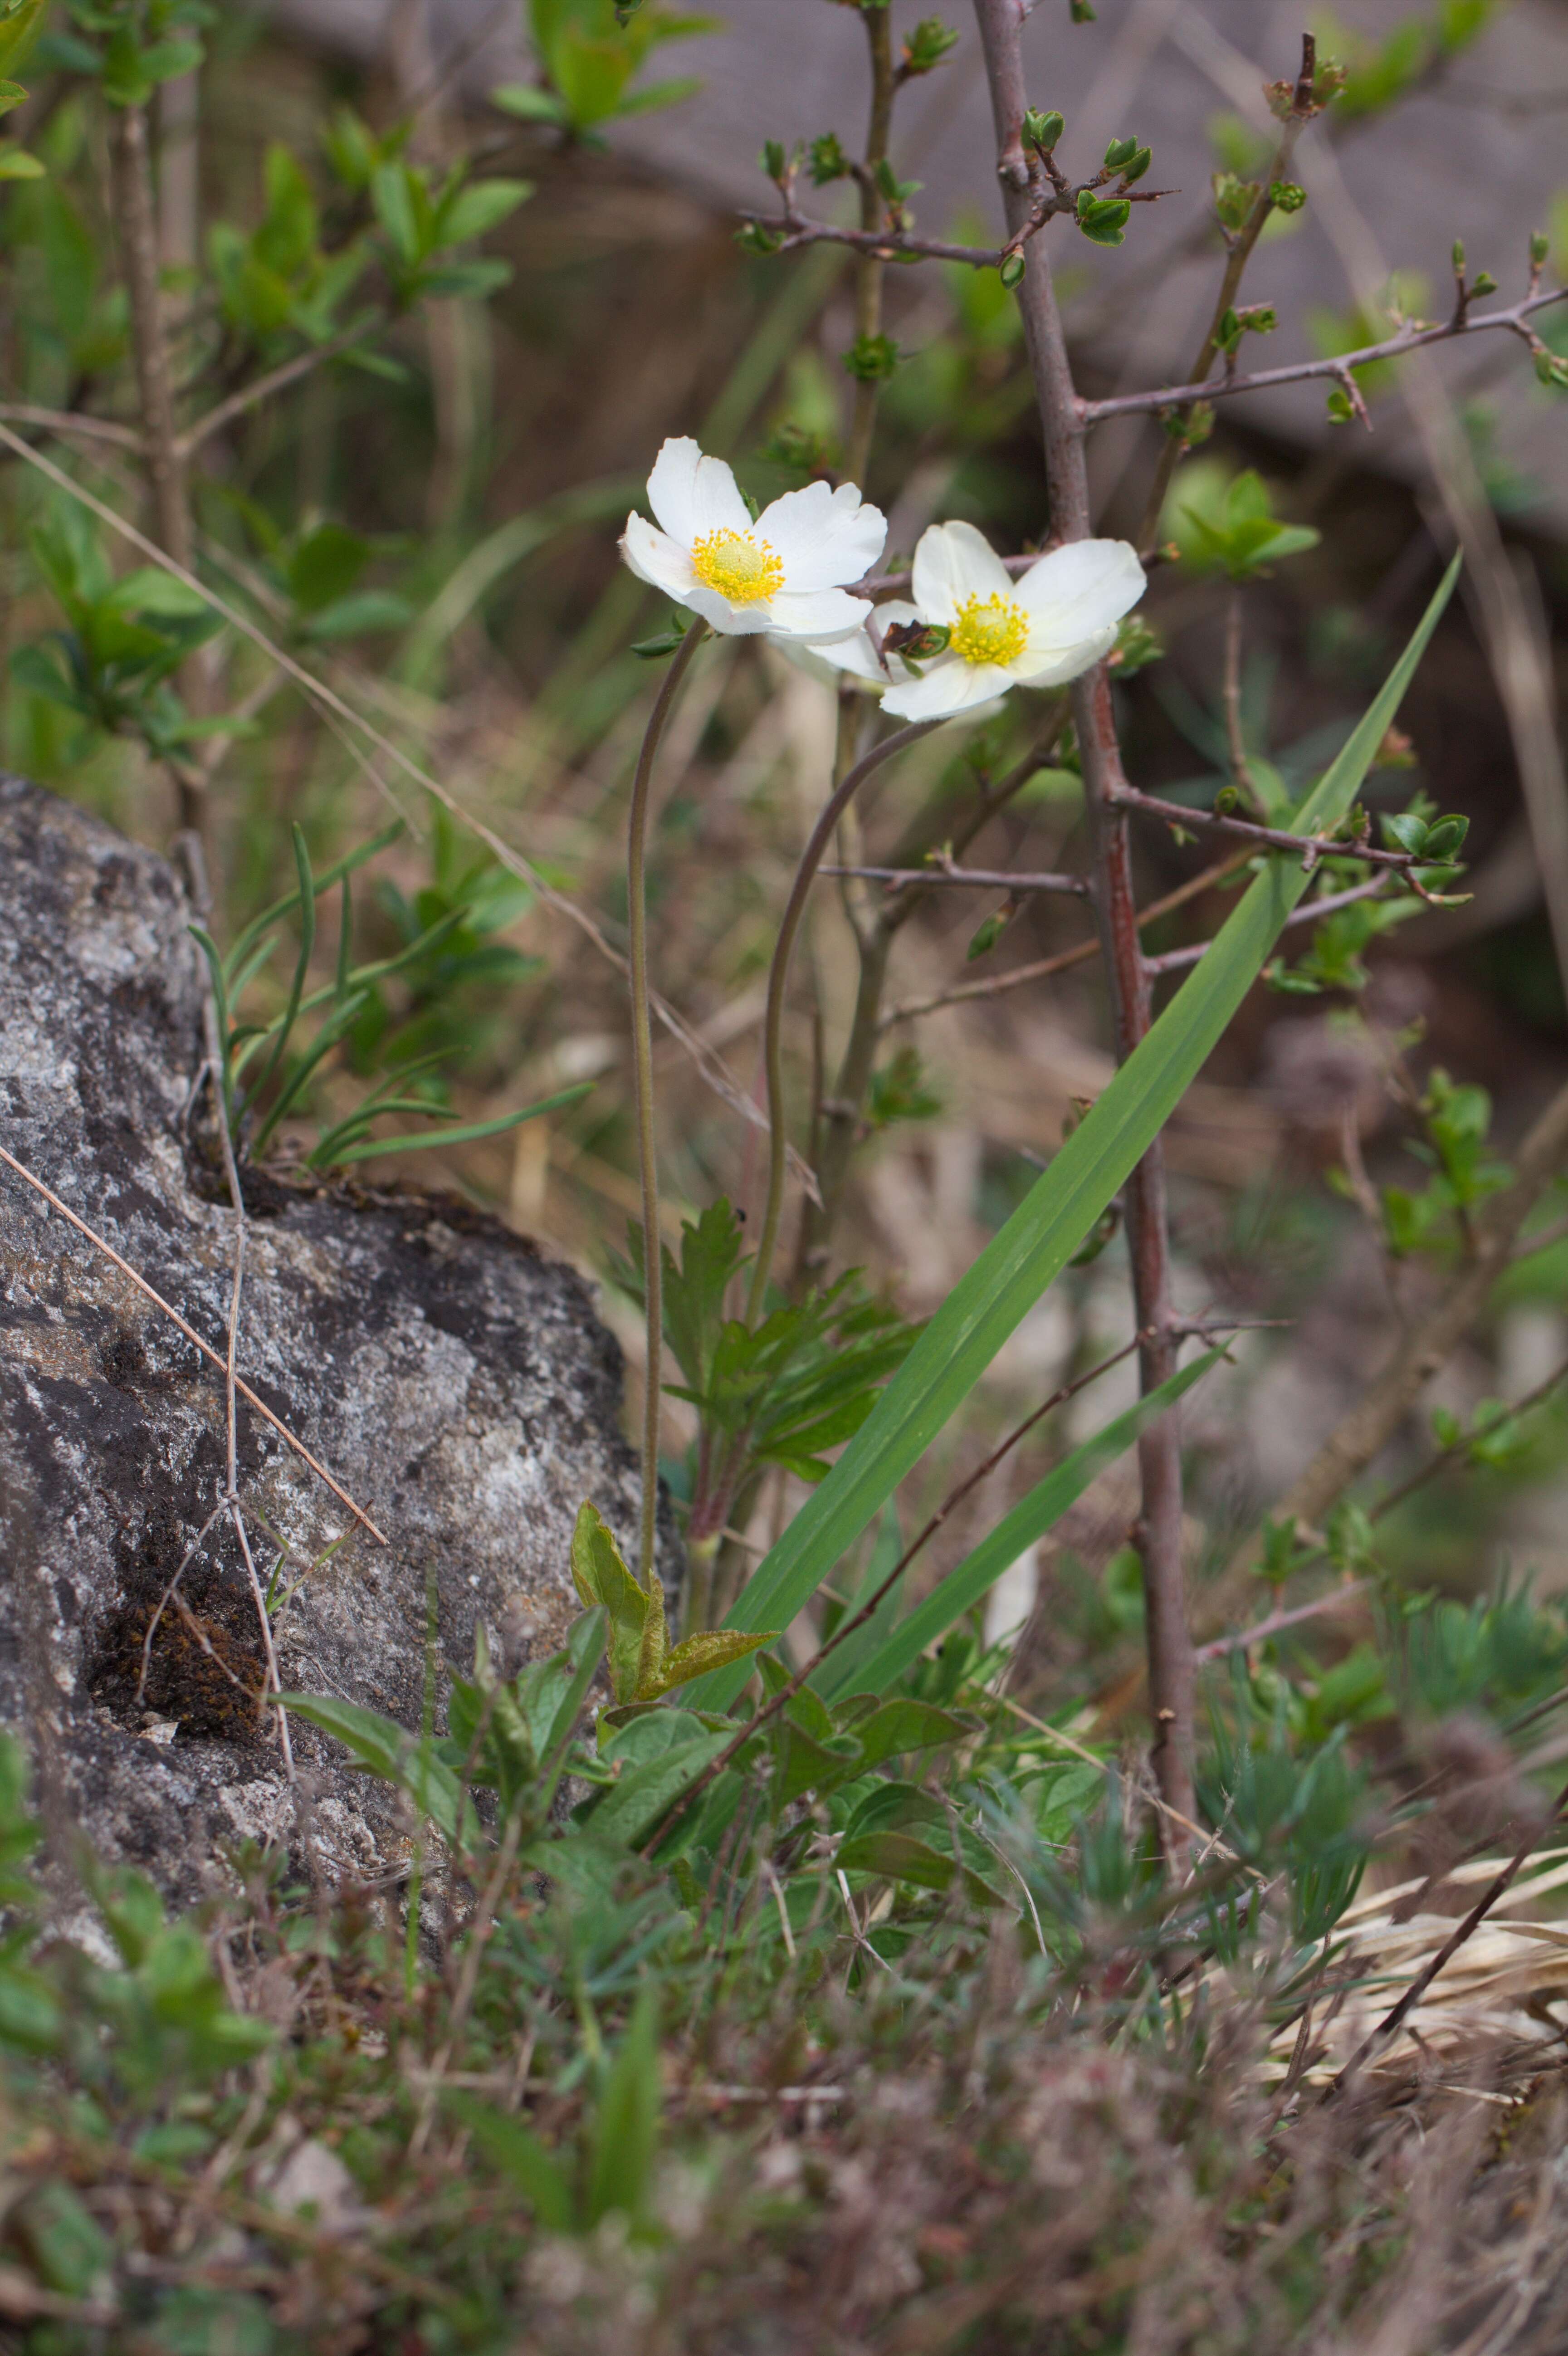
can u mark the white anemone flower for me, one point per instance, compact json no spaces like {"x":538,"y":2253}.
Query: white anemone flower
{"x":786,"y":573}
{"x":863,"y":654}
{"x":1040,"y":630}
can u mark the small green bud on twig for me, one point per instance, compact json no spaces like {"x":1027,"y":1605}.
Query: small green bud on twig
{"x":1120,"y":152}
{"x":774,"y":160}
{"x":827,"y":160}
{"x":1010,"y":270}
{"x":1103,"y":219}
{"x":925,"y":46}
{"x":1286,"y":195}
{"x":1459,"y":255}
{"x":1540,"y":247}
{"x":1043,"y":130}
{"x":871,"y":359}
{"x":1080,"y":11}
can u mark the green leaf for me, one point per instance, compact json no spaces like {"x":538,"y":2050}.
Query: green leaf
{"x":713,"y":1648}
{"x":518,"y":2154}
{"x":468,"y":1131}
{"x":626,"y":2123}
{"x":1059,"y":1212}
{"x":906,"y":1725}
{"x":387,"y":1750}
{"x":900,"y":1857}
{"x":527,"y":101}
{"x":15,"y":163}
{"x":474,"y":211}
{"x":1027,"y":1522}
{"x":637,"y":1802}
{"x":600,"y":1575}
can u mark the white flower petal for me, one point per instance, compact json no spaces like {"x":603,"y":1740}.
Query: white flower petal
{"x":729,"y":621}
{"x":822,"y":538}
{"x":1054,"y":665}
{"x":947,"y":688}
{"x":1077,"y":591}
{"x":954,"y":561}
{"x":654,"y":557}
{"x":813,"y":614}
{"x":856,"y":654}
{"x":692,"y":496}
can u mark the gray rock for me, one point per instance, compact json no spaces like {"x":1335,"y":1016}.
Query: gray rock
{"x":456,"y":1383}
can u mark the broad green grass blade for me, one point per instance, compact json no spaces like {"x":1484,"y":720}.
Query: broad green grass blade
{"x":1025,"y":1256}
{"x":1028,"y":1521}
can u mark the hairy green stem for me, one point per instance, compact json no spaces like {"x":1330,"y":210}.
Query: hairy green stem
{"x":643,"y":1080}
{"x":811,"y":859}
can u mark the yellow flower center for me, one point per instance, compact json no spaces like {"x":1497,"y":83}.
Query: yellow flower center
{"x":739,"y":566}
{"x":990,"y":630}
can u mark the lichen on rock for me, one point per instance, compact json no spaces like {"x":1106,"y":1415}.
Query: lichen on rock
{"x":453,"y":1379}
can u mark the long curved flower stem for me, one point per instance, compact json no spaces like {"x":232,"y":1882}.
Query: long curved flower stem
{"x":642,"y":1079}
{"x":811,"y":859}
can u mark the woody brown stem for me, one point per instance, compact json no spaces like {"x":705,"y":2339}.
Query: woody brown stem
{"x":1171,"y":1677}
{"x":868,"y":268}
{"x":161,"y":454}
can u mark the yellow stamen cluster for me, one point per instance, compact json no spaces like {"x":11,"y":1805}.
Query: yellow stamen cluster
{"x":739,"y":566}
{"x":990,"y":630}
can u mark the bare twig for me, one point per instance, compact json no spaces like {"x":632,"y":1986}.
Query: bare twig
{"x":1042,"y":969}
{"x":1307,"y":913}
{"x":1311,"y":847}
{"x":192,"y":1336}
{"x":65,"y":424}
{"x":985,"y":879}
{"x":1090,"y":413}
{"x":1278,"y":1620}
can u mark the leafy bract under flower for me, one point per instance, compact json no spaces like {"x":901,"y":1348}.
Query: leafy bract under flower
{"x":1040,"y":630}
{"x":786,"y":573}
